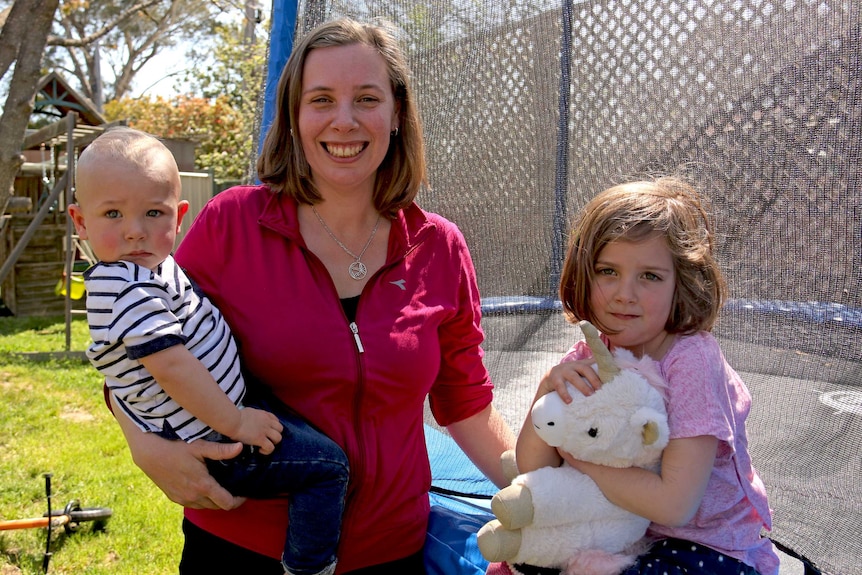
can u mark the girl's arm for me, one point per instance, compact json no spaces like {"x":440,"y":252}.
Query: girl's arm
{"x":177,"y":467}
{"x":671,"y":497}
{"x":532,"y":452}
{"x":484,"y":437}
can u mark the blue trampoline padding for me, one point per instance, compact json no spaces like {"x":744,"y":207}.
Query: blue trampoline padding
{"x":450,"y":544}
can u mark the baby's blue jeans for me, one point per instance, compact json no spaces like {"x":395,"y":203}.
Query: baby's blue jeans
{"x":310,"y":470}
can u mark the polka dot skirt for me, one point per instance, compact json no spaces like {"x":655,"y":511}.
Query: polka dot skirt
{"x":679,"y":557}
{"x":665,"y":557}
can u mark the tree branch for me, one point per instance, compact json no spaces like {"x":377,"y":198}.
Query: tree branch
{"x":102,"y":32}
{"x":19,"y":100}
{"x":14,"y":29}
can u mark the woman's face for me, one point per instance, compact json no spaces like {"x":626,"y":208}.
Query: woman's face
{"x":347,"y":110}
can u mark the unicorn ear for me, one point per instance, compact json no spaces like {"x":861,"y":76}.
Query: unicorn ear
{"x":650,"y":432}
{"x":604,"y":360}
{"x":653,"y":425}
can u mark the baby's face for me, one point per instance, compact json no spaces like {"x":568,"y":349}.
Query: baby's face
{"x":127,"y":216}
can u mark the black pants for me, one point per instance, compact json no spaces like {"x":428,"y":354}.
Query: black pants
{"x":206,"y":554}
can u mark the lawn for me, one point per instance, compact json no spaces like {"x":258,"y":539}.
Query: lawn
{"x":53,"y":420}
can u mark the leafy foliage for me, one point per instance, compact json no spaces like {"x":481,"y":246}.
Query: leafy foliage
{"x":222,"y":116}
{"x":236,"y":66}
{"x":222,"y":132}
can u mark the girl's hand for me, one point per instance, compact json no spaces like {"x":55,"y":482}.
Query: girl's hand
{"x":531,"y":451}
{"x":579,"y":374}
{"x":582,"y":466}
{"x":260,"y":428}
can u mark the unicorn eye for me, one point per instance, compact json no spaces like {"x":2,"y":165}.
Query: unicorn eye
{"x":593,"y":432}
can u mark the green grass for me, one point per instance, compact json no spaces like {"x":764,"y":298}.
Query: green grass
{"x":53,"y":420}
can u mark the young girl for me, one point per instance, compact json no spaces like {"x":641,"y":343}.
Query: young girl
{"x":640,"y":267}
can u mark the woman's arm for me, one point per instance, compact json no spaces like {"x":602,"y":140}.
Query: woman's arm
{"x":670,"y":498}
{"x":484,"y":437}
{"x":178,"y":468}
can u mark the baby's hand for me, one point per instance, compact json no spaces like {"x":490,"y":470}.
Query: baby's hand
{"x":259,"y":428}
{"x":579,"y":374}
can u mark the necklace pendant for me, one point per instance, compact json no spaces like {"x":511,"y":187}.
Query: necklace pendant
{"x":357,"y":270}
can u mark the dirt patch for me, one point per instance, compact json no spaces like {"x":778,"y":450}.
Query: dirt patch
{"x":75,"y":416}
{"x":10,"y":570}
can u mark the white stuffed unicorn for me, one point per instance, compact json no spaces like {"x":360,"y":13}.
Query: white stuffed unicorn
{"x":556,"y":516}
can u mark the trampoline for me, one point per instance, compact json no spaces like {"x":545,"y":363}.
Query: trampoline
{"x":532,"y":107}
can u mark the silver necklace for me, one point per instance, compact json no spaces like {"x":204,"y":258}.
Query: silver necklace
{"x":357,"y":269}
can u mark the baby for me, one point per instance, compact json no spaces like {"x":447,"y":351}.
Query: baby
{"x":168,"y":356}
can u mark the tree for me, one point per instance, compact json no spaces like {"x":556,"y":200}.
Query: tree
{"x":236,"y":67}
{"x":237,"y":72}
{"x":26,"y":32}
{"x":92,"y":35}
{"x":223,"y":114}
{"x":22,"y":40}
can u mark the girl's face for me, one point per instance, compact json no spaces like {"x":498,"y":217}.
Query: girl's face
{"x":632,"y":293}
{"x":346,"y":113}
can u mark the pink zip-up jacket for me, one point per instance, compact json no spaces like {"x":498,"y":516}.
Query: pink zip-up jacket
{"x":417,"y":331}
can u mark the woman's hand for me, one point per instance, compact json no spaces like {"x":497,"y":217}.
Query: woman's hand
{"x":178,"y":468}
{"x":484,"y":437}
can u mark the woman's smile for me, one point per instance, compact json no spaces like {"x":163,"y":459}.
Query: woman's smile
{"x":344,"y":150}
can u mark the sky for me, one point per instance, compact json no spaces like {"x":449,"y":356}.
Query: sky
{"x":157,"y":77}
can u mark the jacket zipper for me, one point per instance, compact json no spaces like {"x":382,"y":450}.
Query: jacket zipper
{"x":355,"y":329}
{"x":353,"y":488}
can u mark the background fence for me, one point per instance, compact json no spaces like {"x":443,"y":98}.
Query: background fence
{"x":531,"y":108}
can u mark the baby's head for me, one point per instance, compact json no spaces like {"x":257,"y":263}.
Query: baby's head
{"x":667,"y":207}
{"x":127,"y":198}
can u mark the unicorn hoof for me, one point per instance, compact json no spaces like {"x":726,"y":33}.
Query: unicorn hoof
{"x":513,"y":507}
{"x":496,"y":543}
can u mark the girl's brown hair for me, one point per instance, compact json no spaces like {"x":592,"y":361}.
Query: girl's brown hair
{"x":282,"y":163}
{"x":668,"y":207}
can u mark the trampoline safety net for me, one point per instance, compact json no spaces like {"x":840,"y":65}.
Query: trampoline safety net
{"x":531,"y":107}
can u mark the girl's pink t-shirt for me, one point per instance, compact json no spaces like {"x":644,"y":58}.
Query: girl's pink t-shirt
{"x":705,"y":396}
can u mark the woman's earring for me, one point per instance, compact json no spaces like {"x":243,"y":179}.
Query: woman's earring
{"x":394,"y":132}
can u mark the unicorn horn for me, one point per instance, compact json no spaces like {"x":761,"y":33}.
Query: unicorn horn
{"x":604,"y":360}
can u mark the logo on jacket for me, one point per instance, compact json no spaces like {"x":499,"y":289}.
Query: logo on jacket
{"x":399,"y":283}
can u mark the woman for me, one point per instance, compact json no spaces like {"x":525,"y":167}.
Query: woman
{"x":349,"y":303}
